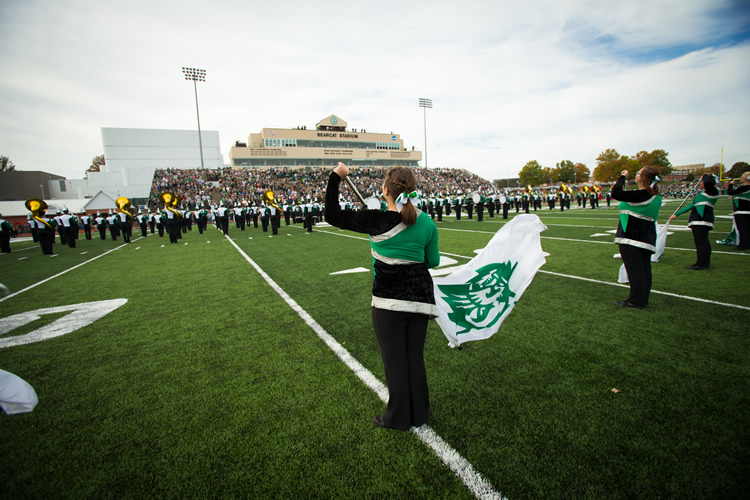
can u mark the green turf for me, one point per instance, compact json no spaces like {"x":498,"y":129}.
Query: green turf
{"x":206,"y":384}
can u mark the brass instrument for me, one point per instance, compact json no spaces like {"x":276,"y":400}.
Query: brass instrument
{"x":35,"y":206}
{"x":123,"y":204}
{"x":269,"y":199}
{"x":170,"y":200}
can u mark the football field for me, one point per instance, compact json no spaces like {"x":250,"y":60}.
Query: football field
{"x":246,"y":366}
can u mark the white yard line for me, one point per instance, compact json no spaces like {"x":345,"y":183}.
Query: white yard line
{"x":63,"y":272}
{"x":477,"y":484}
{"x":686,"y":297}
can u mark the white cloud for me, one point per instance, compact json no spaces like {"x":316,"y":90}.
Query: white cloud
{"x":510,"y":81}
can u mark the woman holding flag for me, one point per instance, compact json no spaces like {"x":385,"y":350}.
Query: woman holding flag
{"x":636,"y":232}
{"x":404,"y":245}
{"x":741,"y":199}
{"x":702,"y":220}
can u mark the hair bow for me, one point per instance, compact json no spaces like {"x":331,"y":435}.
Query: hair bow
{"x":656,"y":179}
{"x":403,"y":198}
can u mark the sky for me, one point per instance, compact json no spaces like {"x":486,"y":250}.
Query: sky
{"x":511,"y":81}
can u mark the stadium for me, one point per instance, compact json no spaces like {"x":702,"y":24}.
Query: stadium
{"x":244,"y":365}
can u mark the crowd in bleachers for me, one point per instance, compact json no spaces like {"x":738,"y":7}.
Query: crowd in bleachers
{"x":201,"y":186}
{"x":293,"y":185}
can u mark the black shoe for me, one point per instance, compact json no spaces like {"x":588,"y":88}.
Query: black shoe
{"x":741,"y":248}
{"x":627,"y":303}
{"x":379,"y":421}
{"x":696,"y":268}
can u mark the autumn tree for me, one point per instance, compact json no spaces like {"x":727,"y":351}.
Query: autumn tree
{"x":6,"y":164}
{"x":656,"y":158}
{"x":610,"y":163}
{"x":582,"y":172}
{"x":96,"y":164}
{"x":531,"y":173}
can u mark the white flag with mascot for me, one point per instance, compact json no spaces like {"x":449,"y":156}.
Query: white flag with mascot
{"x":473,"y":301}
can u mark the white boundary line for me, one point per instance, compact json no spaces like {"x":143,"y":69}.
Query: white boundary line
{"x":67,"y":270}
{"x":687,"y":297}
{"x":697,"y":299}
{"x":477,"y":484}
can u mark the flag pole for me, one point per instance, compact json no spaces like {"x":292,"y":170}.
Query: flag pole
{"x":688,"y":196}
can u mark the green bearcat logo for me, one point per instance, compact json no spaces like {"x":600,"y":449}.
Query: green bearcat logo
{"x":482,"y":301}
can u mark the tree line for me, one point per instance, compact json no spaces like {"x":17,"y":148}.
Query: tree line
{"x":609,"y":164}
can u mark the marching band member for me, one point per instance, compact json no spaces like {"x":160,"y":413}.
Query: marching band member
{"x":86,"y":221}
{"x":173,"y":223}
{"x":113,"y":222}
{"x":636,"y":232}
{"x":741,"y":204}
{"x":161,"y":222}
{"x":5,"y":230}
{"x":702,"y":220}
{"x":59,"y":228}
{"x":222,"y":219}
{"x":34,"y":226}
{"x":143,"y":223}
{"x":101,"y":224}
{"x":46,"y":232}
{"x":404,"y":245}
{"x":69,"y":227}
{"x":126,"y":225}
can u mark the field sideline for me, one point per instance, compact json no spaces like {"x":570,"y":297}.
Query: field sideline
{"x":212,"y":379}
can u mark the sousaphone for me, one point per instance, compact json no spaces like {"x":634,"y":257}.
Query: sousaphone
{"x":123,"y":204}
{"x":35,"y":205}
{"x":268,"y":197}
{"x":170,"y":201}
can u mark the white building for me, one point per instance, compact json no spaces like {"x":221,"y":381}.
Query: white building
{"x":132,"y":155}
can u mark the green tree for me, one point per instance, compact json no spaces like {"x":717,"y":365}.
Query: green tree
{"x":656,"y":158}
{"x":6,"y":164}
{"x":737,"y":170}
{"x":550,"y":175}
{"x":532,"y":174}
{"x":566,"y":171}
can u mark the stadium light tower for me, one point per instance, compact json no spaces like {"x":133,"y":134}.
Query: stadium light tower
{"x":425,"y":103}
{"x":196,"y":75}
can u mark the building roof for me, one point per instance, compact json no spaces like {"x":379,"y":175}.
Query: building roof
{"x":101,"y":201}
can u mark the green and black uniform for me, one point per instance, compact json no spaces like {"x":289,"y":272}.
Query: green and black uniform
{"x":701,"y":222}
{"x":403,"y":299}
{"x":741,"y":204}
{"x":636,"y":237}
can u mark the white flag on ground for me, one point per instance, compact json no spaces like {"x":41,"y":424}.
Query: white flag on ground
{"x":16,"y":395}
{"x":473,"y":301}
